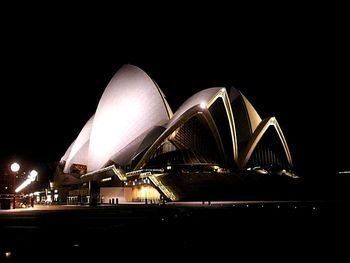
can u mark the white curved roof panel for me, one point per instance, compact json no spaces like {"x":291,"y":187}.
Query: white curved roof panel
{"x":130,"y":105}
{"x":77,"y":155}
{"x":81,"y":157}
{"x":201,"y":98}
{"x":137,"y":146}
{"x":66,"y":154}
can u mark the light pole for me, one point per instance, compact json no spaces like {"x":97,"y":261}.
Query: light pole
{"x":14,"y":168}
{"x":33,"y":175}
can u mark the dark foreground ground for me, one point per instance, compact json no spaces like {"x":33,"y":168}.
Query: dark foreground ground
{"x":267,"y":230}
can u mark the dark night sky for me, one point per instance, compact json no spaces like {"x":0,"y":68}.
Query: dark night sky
{"x":290,"y":65}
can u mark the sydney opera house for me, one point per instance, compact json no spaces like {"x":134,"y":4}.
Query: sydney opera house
{"x":135,"y":148}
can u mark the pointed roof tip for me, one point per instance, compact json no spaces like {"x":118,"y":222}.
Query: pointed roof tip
{"x":130,"y":65}
{"x":126,"y":65}
{"x":137,"y":68}
{"x":233,"y":88}
{"x":234,"y":93}
{"x":272,"y":120}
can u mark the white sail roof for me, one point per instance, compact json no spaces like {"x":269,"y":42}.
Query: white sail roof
{"x":130,"y":105}
{"x":76,"y":154}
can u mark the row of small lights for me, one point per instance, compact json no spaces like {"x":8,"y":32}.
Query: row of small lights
{"x":254,"y":205}
{"x":278,"y":206}
{"x":145,"y":180}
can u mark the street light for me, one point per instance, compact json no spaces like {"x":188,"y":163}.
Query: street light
{"x":33,"y":174}
{"x":31,"y":178}
{"x":14,"y":168}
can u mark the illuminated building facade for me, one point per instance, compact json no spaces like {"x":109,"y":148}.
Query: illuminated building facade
{"x":134,"y":148}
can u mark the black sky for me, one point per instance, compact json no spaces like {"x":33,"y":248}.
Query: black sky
{"x":292,"y":65}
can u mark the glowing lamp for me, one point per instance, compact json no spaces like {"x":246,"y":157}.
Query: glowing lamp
{"x":15,"y":167}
